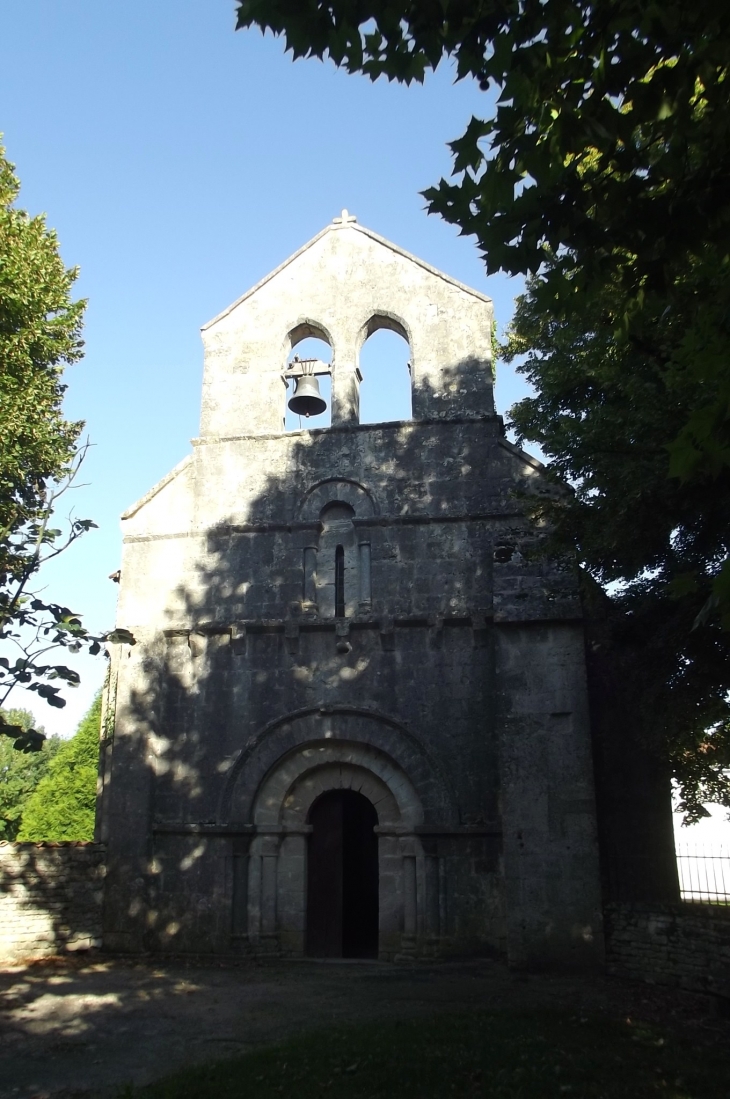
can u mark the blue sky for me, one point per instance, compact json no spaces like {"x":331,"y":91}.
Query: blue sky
{"x":180,"y":162}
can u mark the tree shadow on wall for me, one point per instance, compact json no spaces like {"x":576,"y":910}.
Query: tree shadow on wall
{"x":244,"y":647}
{"x":449,"y":553}
{"x":50,"y":898}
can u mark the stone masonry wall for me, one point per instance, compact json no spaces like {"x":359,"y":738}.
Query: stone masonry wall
{"x":363,"y":594}
{"x":50,"y":898}
{"x":687,"y":946}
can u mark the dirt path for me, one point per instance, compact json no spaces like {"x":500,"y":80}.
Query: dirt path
{"x":85,"y":1028}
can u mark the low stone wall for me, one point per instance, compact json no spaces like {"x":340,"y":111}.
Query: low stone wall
{"x":684,"y":945}
{"x":50,"y":898}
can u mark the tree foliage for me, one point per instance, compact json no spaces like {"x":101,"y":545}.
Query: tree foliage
{"x":605,"y":411}
{"x":20,"y":773}
{"x":604,"y":165}
{"x":602,"y":175}
{"x":63,"y":804}
{"x":40,"y":334}
{"x":33,"y":627}
{"x":610,"y":135}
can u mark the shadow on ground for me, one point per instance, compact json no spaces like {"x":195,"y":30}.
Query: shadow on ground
{"x":74,"y":1028}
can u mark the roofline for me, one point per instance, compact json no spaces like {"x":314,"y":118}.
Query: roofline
{"x":523,"y":455}
{"x":339,"y":228}
{"x":134,"y":508}
{"x":420,"y":262}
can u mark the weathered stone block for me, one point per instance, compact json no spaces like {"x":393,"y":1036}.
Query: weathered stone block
{"x":349,"y":613}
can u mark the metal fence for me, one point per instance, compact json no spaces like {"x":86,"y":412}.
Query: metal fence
{"x":704,"y":873}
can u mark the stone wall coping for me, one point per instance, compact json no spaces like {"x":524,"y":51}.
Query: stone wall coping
{"x":681,"y":909}
{"x":15,"y":844}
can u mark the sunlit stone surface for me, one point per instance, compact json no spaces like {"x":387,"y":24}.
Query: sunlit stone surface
{"x":354,"y":608}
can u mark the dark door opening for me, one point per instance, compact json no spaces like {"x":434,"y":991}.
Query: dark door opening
{"x":342,"y":877}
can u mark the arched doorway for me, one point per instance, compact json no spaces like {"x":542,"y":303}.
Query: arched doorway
{"x":283,"y":788}
{"x":342,"y":877}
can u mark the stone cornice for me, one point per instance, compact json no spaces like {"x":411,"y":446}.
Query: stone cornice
{"x":224,"y":530}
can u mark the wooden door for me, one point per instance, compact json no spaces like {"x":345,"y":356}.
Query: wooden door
{"x":342,"y":877}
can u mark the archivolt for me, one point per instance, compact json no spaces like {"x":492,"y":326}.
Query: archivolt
{"x":341,"y":489}
{"x":385,"y":319}
{"x":303,"y":329}
{"x":360,"y":728}
{"x":289,"y":790}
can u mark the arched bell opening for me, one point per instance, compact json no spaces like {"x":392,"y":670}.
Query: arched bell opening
{"x":311,"y":348}
{"x":342,"y":877}
{"x":385,"y":366}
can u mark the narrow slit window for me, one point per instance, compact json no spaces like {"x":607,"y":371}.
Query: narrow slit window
{"x":340,"y":582}
{"x":365,"y":593}
{"x":310,"y":575}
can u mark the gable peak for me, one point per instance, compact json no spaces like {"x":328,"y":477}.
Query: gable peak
{"x":345,"y":218}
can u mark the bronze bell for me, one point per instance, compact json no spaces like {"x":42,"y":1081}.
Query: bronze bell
{"x":307,"y":400}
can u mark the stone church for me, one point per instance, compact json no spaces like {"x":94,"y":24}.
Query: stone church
{"x":355,"y":720}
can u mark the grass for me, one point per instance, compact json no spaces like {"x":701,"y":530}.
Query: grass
{"x":505,"y":1056}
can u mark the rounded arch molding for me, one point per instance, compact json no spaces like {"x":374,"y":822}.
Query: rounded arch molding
{"x":391,"y":322}
{"x":288,"y":792}
{"x":341,"y":489}
{"x":302,"y":329}
{"x":376,"y":742}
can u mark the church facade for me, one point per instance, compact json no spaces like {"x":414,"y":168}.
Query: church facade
{"x":355,"y":718}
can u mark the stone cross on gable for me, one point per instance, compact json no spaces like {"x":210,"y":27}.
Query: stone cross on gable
{"x":345,"y":218}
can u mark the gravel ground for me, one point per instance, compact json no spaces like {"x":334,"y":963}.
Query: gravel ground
{"x":76,"y":1028}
